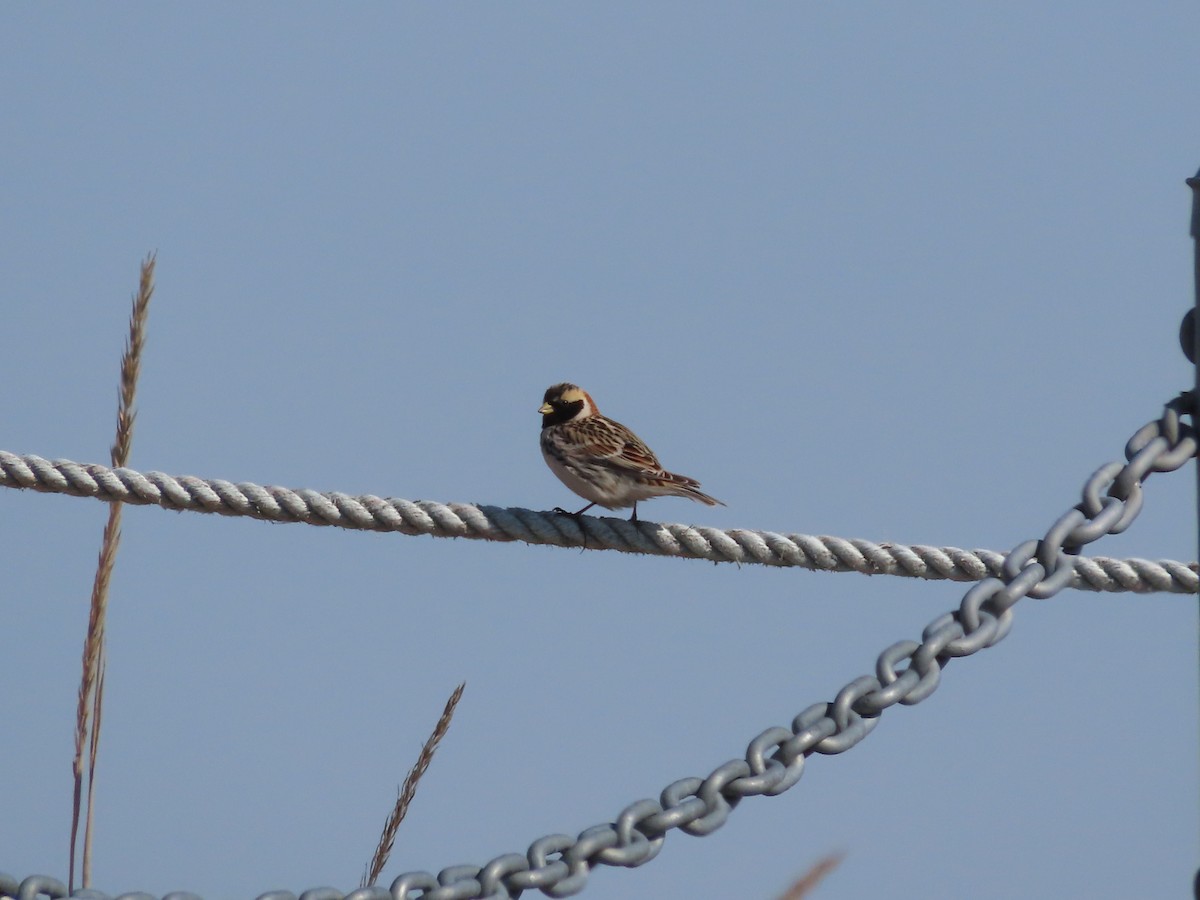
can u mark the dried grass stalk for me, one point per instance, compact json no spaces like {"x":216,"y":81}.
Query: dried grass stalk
{"x":810,"y":879}
{"x":409,"y":790}
{"x":91,"y":686}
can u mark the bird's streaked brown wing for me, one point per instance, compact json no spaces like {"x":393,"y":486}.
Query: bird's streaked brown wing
{"x":609,"y":441}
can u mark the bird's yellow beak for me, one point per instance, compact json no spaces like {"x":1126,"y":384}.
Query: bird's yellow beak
{"x":545,"y":409}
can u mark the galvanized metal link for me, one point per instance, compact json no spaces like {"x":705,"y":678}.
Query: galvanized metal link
{"x":906,"y":673}
{"x":494,"y":523}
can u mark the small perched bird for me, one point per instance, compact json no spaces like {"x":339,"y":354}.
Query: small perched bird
{"x":602,"y":460}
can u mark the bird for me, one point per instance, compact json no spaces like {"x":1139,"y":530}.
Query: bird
{"x":600,"y":459}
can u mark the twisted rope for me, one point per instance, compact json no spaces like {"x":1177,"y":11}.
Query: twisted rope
{"x":496,"y":523}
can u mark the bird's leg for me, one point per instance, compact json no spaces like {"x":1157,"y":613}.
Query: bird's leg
{"x":576,"y":515}
{"x":634,"y":517}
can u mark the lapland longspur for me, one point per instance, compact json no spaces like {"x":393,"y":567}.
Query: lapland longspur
{"x":602,"y":460}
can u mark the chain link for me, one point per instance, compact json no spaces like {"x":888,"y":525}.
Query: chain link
{"x":905,"y":673}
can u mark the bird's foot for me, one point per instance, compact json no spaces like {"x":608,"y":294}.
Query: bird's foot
{"x":575,"y":516}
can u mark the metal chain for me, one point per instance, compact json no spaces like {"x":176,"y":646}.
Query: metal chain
{"x":907,"y":672}
{"x":495,"y":523}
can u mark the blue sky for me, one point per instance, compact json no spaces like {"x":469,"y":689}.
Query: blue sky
{"x":894,"y":272}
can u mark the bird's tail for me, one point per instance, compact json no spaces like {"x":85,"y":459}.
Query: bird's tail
{"x":683,"y":486}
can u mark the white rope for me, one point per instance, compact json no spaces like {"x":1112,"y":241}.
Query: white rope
{"x":495,"y":523}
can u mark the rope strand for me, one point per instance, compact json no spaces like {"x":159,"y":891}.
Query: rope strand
{"x":496,"y":523}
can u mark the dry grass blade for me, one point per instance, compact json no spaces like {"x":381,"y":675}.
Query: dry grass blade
{"x":810,"y":879}
{"x":93,"y":748}
{"x":388,"y":837}
{"x":90,"y":700}
{"x":131,"y":363}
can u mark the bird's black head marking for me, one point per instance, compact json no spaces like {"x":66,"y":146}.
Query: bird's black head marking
{"x":562,"y":403}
